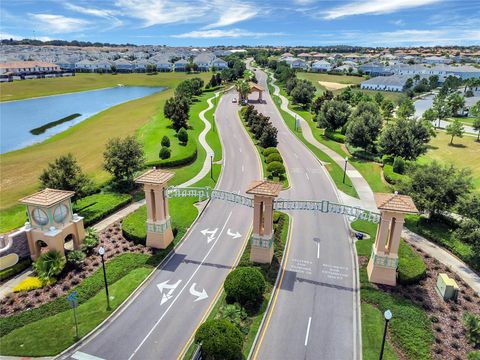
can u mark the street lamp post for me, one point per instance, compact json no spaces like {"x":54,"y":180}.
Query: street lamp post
{"x":387,"y":315}
{"x":101,"y":252}
{"x":211,"y":166}
{"x":345,"y":168}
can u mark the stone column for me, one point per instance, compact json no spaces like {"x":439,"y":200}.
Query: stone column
{"x":262,"y":233}
{"x":382,"y":266}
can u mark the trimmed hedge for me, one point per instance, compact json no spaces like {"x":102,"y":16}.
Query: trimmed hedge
{"x":270,"y":151}
{"x":390,"y":176}
{"x":117,"y":268}
{"x":174,"y":162}
{"x":274,"y":157}
{"x":220,"y":339}
{"x":134,"y":226}
{"x":411,"y":268}
{"x":6,"y":274}
{"x":245,"y":285}
{"x":98,"y":206}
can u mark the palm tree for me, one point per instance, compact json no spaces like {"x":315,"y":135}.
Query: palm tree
{"x":243,"y":89}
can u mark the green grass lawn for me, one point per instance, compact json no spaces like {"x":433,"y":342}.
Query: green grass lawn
{"x":86,"y":141}
{"x":410,"y":328}
{"x":464,"y":120}
{"x":464,"y":153}
{"x":97,"y":206}
{"x":18,"y":90}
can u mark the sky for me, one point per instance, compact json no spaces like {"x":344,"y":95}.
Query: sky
{"x":250,"y":22}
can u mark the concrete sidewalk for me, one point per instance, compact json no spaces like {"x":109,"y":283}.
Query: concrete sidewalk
{"x":446,"y":258}
{"x":361,"y":185}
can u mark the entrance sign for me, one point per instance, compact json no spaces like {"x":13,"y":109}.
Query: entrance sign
{"x":323,"y":206}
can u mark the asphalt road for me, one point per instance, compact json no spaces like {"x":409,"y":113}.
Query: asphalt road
{"x":159,"y":321}
{"x":315,"y":315}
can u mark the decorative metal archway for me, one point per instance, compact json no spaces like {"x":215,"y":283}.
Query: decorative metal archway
{"x":323,"y":206}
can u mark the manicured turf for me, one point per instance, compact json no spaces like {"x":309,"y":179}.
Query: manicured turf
{"x":465,"y":152}
{"x":441,"y":234}
{"x":98,"y":206}
{"x":86,"y":141}
{"x":372,"y":333}
{"x":17,"y":90}
{"x":410,"y":328}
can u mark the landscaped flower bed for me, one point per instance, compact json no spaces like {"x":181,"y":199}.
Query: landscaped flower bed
{"x":113,"y":242}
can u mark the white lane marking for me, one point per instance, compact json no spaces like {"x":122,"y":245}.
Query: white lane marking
{"x":318,"y":249}
{"x":243,"y":168}
{"x":200,"y":295}
{"x":240,"y":149}
{"x":306,"y":174}
{"x":180,"y":292}
{"x":211,"y":234}
{"x":295,"y":154}
{"x":308,"y":330}
{"x":168,"y":295}
{"x":235,"y":235}
{"x":78,"y":355}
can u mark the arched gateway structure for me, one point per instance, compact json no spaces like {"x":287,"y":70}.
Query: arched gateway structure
{"x":51,"y":221}
{"x":383,"y":262}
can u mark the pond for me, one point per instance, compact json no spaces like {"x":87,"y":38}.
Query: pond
{"x":25,"y":122}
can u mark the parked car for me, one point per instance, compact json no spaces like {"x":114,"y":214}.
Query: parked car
{"x":234,"y":100}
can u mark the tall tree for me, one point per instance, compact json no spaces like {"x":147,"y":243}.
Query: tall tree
{"x":440,"y":107}
{"x":303,"y":93}
{"x":407,"y":138}
{"x":455,"y":128}
{"x":455,"y":102}
{"x":269,"y":137}
{"x":476,"y":127}
{"x":364,"y":126}
{"x":436,"y":188}
{"x":406,"y":109}
{"x":176,"y":109}
{"x":243,"y":89}
{"x":122,"y":158}
{"x":387,"y":107}
{"x":64,"y":173}
{"x":333,"y":115}
{"x":318,"y":102}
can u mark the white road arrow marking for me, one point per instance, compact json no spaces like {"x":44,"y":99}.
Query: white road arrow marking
{"x":211,"y":234}
{"x":234,"y":235}
{"x":200,"y":295}
{"x":171,"y":288}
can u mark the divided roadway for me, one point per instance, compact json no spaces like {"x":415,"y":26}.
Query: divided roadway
{"x":161,"y":318}
{"x":315,"y":312}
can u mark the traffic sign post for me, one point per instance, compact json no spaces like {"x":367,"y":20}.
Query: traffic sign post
{"x":72,"y":299}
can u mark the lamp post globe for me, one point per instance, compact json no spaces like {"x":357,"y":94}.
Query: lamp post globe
{"x":101,"y":252}
{"x":388,"y":316}
{"x":345,"y":169}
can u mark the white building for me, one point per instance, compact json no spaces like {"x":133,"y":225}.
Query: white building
{"x":321,"y":66}
{"x":385,"y":83}
{"x":28,"y":67}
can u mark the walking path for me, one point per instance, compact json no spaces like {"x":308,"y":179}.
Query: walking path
{"x":456,"y":265}
{"x":366,"y":200}
{"x":8,"y":286}
{"x":361,"y":185}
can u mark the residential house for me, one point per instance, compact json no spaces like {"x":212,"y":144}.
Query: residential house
{"x":180,"y":65}
{"x":321,"y":66}
{"x":123,"y":65}
{"x":219,"y":64}
{"x":385,"y":83}
{"x":204,"y":61}
{"x":375,"y":69}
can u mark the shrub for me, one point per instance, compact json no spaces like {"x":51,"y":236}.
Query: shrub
{"x":164,"y":153}
{"x":91,"y":240}
{"x":96,"y":207}
{"x":245,"y":285}
{"x":390,"y":176}
{"x":235,"y":314}
{"x":15,"y":269}
{"x":474,"y":355}
{"x":274,"y":157}
{"x":49,"y":265}
{"x":387,"y":159}
{"x":220,"y":339}
{"x":165,"y":141}
{"x":276,"y":168}
{"x":472,"y":325}
{"x":399,"y":165}
{"x":182,"y":136}
{"x":30,"y":283}
{"x":76,"y":257}
{"x":271,"y":150}
{"x":411,"y":268}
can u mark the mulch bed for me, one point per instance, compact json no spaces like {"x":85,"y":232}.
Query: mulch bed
{"x":450,"y":341}
{"x":114,"y":243}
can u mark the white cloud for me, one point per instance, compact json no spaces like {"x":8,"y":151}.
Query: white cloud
{"x":232,"y":13}
{"x":374,"y":7}
{"x":156,"y":12}
{"x":398,"y":22}
{"x":59,"y":23}
{"x":102,"y":13}
{"x":6,"y":36}
{"x":217,"y":33}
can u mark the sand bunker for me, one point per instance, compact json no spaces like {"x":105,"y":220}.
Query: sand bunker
{"x":333,"y":85}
